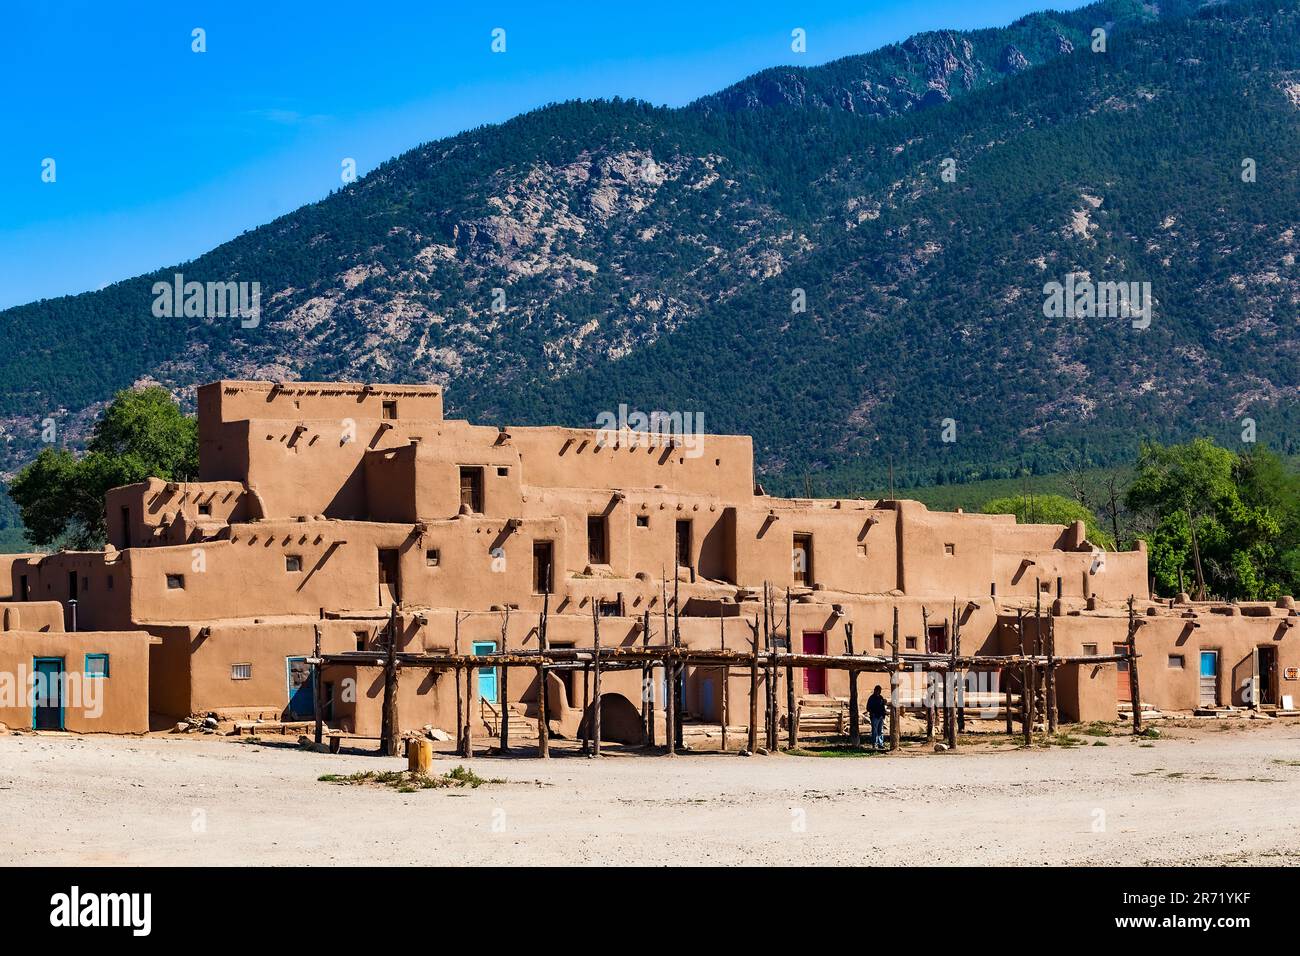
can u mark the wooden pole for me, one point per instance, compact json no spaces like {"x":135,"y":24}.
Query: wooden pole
{"x":929,"y":679}
{"x":1027,"y":702}
{"x":959,"y":688}
{"x":1006,"y":699}
{"x":648,"y":687}
{"x":753,"y":688}
{"x":791,"y":717}
{"x":1051,"y":673}
{"x":389,"y":721}
{"x":318,"y":689}
{"x":543,"y":731}
{"x":460,"y":708}
{"x":679,"y":668}
{"x":726,"y":674}
{"x":894,"y":715}
{"x":471,"y":698}
{"x":595,"y":666}
{"x":855,"y":721}
{"x":1133,"y":688}
{"x":504,"y":699}
{"x":952,"y":678}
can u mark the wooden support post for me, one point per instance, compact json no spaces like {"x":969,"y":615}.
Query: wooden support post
{"x":595,"y":664}
{"x":791,"y":716}
{"x":586,"y":704}
{"x":670,"y":706}
{"x":895,"y":717}
{"x":1134,"y":691}
{"x":455,"y":675}
{"x":952,"y":680}
{"x":679,"y":668}
{"x":1027,"y":703}
{"x":855,"y":720}
{"x":471,"y":699}
{"x":318,"y":689}
{"x":389,"y":731}
{"x":543,"y":731}
{"x":959,"y":675}
{"x":725,"y":674}
{"x":753,"y":688}
{"x":504,"y":699}
{"x":648,"y":686}
{"x":1051,"y":672}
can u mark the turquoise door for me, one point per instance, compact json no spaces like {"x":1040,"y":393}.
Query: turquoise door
{"x":302,"y":687}
{"x":487,"y":676}
{"x":47,"y":693}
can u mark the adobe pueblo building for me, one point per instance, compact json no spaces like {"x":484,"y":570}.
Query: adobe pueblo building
{"x":338,"y":531}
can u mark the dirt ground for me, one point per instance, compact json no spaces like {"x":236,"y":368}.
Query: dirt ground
{"x":1212,"y":792}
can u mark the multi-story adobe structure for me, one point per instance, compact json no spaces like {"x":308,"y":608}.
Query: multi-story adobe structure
{"x":331,"y":506}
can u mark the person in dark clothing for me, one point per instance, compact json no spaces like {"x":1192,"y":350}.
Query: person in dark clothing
{"x":876,"y":711}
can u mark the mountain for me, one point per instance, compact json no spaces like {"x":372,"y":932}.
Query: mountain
{"x":651,"y":256}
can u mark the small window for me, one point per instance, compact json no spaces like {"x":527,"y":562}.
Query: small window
{"x":205,"y":509}
{"x":432,"y":557}
{"x":390,"y":410}
{"x":862,"y":551}
{"x":175,"y":582}
{"x":1089,"y":650}
{"x":361,"y":637}
{"x":503,"y":472}
{"x":293,"y":562}
{"x":1176,"y":662}
{"x":909,"y":643}
{"x":96,"y":665}
{"x":950,"y":548}
{"x":643,"y":521}
{"x":1045,"y":586}
{"x":878,"y":640}
{"x":241,"y":671}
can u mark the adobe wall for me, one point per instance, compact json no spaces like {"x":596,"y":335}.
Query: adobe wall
{"x":116,"y":704}
{"x":31,"y":616}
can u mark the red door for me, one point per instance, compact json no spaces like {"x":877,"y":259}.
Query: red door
{"x":1123,"y":692}
{"x":814,"y":678}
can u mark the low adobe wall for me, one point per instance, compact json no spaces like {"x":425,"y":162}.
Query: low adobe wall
{"x":115,"y":704}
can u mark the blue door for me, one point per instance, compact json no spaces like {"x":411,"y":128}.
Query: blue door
{"x":47,"y":693}
{"x":302,"y":687}
{"x":487,"y":676}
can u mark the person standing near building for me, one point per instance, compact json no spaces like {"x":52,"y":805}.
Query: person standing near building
{"x":876,"y":711}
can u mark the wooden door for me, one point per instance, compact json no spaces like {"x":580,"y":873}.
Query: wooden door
{"x":47,"y":693}
{"x":1122,"y":690}
{"x":487,"y":676}
{"x":814,"y":678}
{"x":471,"y":489}
{"x":1267,"y":685}
{"x":1209,"y":679}
{"x":802,"y":559}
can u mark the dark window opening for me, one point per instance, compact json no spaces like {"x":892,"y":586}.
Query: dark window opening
{"x":361,"y":637}
{"x":643,"y":521}
{"x":24,"y":589}
{"x":937,"y":639}
{"x":597,"y":549}
{"x":684,"y":544}
{"x":471,"y":489}
{"x":293,"y":562}
{"x":126,"y":527}
{"x":176,"y":582}
{"x":543,"y":575}
{"x":878,"y":640}
{"x":432,"y":557}
{"x":205,"y":509}
{"x":803,"y":558}
{"x":503,"y":472}
{"x":389,"y":589}
{"x":72,"y":585}
{"x":390,"y":410}
{"x":909,"y":643}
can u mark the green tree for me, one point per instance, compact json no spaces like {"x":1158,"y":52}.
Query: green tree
{"x":1233,"y":508}
{"x":142,"y":434}
{"x":1049,"y":509}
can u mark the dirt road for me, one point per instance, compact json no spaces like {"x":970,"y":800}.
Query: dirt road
{"x":1203,"y":795}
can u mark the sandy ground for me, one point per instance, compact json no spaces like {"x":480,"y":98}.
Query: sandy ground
{"x":1203,"y":795}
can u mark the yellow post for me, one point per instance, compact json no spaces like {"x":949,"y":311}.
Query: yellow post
{"x":419,"y":756}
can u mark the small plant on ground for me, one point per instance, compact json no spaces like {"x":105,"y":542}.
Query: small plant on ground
{"x":404,"y":781}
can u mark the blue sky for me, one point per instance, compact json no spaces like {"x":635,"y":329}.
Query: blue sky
{"x":162,"y":153}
